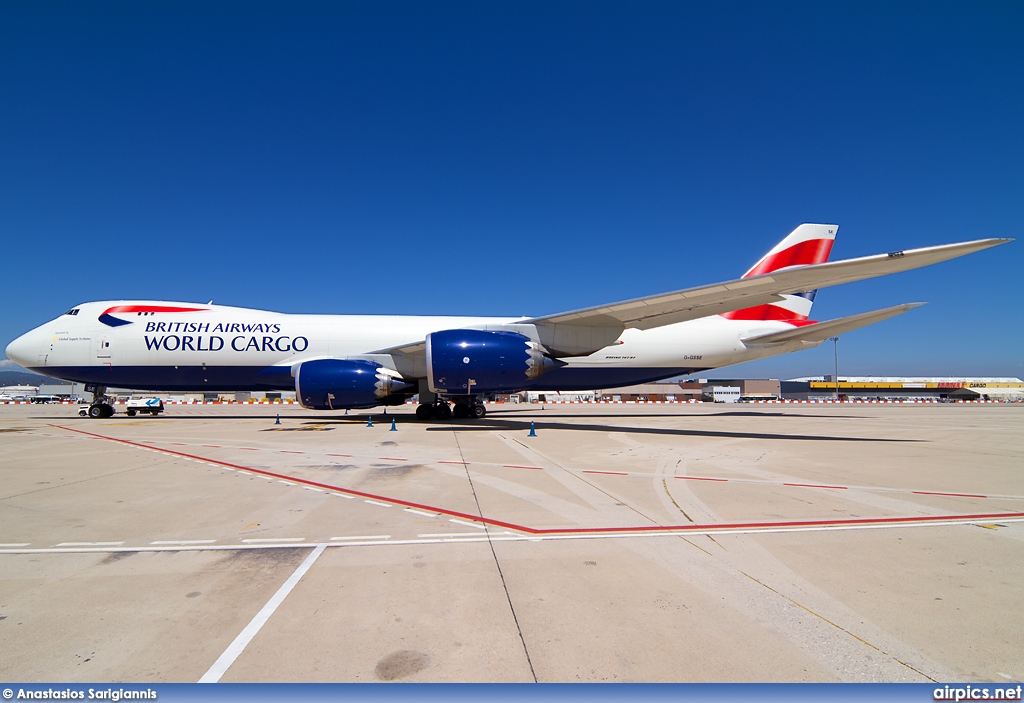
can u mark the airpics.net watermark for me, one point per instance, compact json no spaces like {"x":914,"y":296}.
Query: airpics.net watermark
{"x":978,"y":693}
{"x":114,"y":695}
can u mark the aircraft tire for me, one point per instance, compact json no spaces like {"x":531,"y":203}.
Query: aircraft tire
{"x":96,"y":411}
{"x":424,"y":411}
{"x":443,"y":411}
{"x":477,"y":411}
{"x":460,"y":411}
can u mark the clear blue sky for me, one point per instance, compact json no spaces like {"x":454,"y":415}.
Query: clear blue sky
{"x":515,"y":158}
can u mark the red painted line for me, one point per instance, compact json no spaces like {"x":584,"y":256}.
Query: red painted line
{"x":180,"y":444}
{"x":249,"y":449}
{"x":390,"y":458}
{"x":513,"y":466}
{"x":702,"y":478}
{"x":461,"y":463}
{"x":792,"y":523}
{"x":958,"y":495}
{"x":348,"y":455}
{"x":337,"y":489}
{"x":288,"y":451}
{"x":692,"y":527}
{"x":212,"y":446}
{"x":814,"y":485}
{"x":610,"y":473}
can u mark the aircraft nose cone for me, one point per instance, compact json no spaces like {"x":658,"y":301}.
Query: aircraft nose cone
{"x":23,"y":351}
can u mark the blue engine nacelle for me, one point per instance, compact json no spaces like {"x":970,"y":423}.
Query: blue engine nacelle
{"x":466,"y":362}
{"x":333,"y":384}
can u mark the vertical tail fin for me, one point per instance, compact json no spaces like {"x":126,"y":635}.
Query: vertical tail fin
{"x":807,"y":244}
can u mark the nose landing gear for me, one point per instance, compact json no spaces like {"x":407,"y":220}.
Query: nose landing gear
{"x":99,"y":408}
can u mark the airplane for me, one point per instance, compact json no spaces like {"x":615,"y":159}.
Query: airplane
{"x":335,"y":362}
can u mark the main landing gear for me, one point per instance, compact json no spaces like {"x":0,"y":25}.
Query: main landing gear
{"x":441,"y":410}
{"x":472,"y":410}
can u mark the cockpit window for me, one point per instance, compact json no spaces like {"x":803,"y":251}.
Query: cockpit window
{"x":72,"y":311}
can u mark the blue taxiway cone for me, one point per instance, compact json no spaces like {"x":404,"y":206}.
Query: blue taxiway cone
{"x":278,"y":420}
{"x":369,"y":421}
{"x":533,"y":432}
{"x":393,"y":428}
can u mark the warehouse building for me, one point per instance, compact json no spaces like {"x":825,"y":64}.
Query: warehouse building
{"x":716,"y":390}
{"x":947,"y":389}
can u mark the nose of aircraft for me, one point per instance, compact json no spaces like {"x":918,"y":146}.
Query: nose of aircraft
{"x":24,"y":350}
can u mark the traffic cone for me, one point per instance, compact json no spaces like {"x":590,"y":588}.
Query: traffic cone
{"x":369,"y":421}
{"x":278,"y":420}
{"x":393,"y":428}
{"x":533,"y":432}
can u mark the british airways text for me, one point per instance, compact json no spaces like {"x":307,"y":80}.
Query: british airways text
{"x":269,"y":338}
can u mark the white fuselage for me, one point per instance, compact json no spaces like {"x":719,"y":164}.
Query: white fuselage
{"x":220,"y":348}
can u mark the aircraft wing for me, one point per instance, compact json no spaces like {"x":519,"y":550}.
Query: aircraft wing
{"x":692,"y":303}
{"x":580,"y":332}
{"x":820,"y":331}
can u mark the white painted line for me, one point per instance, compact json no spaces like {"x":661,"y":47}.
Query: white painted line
{"x":318,"y":490}
{"x":184,"y":541}
{"x":421,"y":512}
{"x":15,"y":544}
{"x":265,"y":478}
{"x":468,"y":524}
{"x":286,"y":483}
{"x":362,"y":537}
{"x":271,"y":540}
{"x":377,"y":502}
{"x":90,"y":544}
{"x":342,"y":495}
{"x":460,"y":534}
{"x":504,"y":537}
{"x":230,"y":654}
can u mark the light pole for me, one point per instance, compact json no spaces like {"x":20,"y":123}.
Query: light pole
{"x":835,"y":349}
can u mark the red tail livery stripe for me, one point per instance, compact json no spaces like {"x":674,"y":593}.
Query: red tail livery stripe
{"x":768,"y":312}
{"x":812,"y":251}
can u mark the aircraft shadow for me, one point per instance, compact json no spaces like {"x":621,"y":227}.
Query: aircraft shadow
{"x":733,"y":413}
{"x":121,"y":417}
{"x":487,"y":425}
{"x":549,"y":422}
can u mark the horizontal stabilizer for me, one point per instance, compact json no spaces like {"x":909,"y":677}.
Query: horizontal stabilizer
{"x":820,"y":331}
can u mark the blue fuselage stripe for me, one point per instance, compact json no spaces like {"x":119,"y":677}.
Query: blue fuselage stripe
{"x":279,"y":378}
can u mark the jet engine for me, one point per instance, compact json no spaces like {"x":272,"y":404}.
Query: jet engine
{"x":466,"y":362}
{"x":333,"y":384}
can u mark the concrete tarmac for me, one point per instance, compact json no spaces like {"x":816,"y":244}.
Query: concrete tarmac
{"x":622,"y":543}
